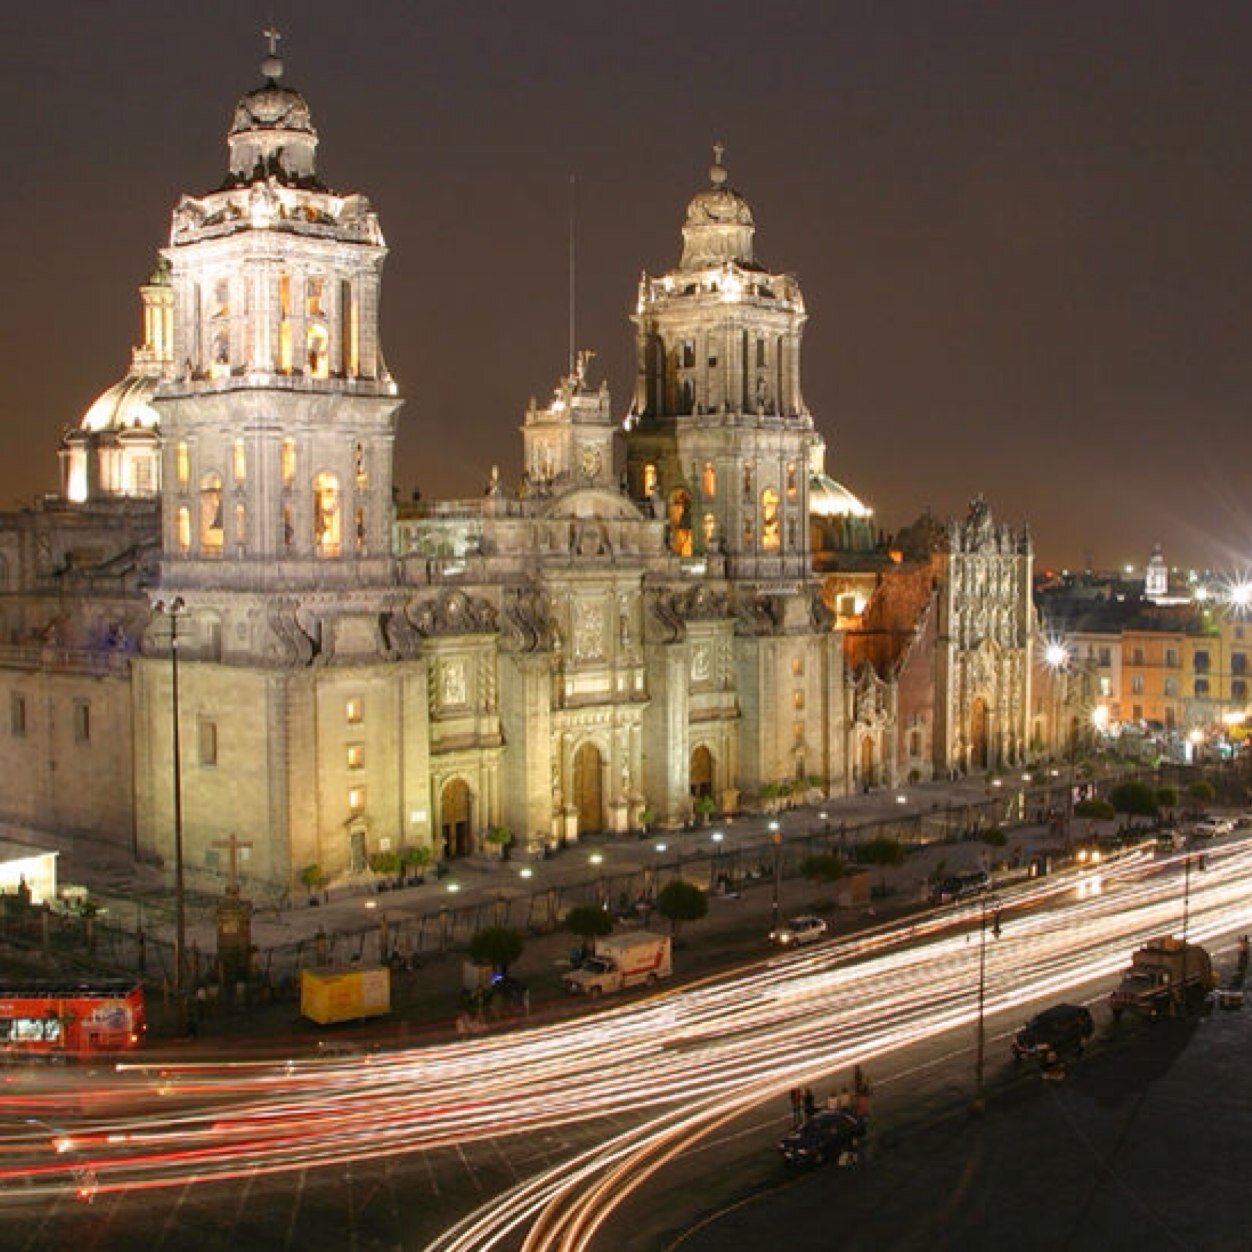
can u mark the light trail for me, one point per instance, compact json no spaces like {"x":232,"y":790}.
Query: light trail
{"x":674,"y":1066}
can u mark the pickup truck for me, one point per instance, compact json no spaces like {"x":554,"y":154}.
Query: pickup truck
{"x":1166,"y":976}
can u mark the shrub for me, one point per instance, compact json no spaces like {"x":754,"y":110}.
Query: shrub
{"x":588,"y":922}
{"x":1101,"y":810}
{"x":1135,"y":799}
{"x":496,"y":946}
{"x":994,"y":836}
{"x":679,"y":902}
{"x":823,"y":867}
{"x":1201,"y":791}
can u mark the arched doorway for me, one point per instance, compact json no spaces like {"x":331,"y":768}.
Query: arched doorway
{"x":701,"y":772}
{"x":978,"y":735}
{"x":588,"y":788}
{"x":869,"y":766}
{"x":455,"y":812}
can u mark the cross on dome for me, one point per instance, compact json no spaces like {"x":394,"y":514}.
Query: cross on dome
{"x":272,"y":66}
{"x":717,"y":172}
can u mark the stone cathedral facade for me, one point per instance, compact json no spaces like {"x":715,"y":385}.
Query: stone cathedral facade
{"x":582,"y":651}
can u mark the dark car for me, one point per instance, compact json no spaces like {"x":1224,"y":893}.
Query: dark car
{"x":826,"y":1136}
{"x":958,"y":886}
{"x":1062,"y":1028}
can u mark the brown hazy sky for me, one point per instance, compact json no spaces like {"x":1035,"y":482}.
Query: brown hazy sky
{"x":1021,"y":229}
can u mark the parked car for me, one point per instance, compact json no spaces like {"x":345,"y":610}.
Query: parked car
{"x":829,"y":1135}
{"x":799,"y":930}
{"x":958,"y":886}
{"x":1211,"y":827}
{"x":1060,"y":1029}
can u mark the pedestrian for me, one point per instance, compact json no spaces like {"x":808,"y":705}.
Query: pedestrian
{"x":859,"y":1084}
{"x":810,"y":1103}
{"x":860,"y":1104}
{"x":1243,"y":954}
{"x":797,"y":1106}
{"x":844,"y":1099}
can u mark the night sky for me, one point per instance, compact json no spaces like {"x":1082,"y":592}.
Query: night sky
{"x":1021,"y":228}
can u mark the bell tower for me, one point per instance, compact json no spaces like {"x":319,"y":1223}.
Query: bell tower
{"x":719,"y":435}
{"x":278,"y":416}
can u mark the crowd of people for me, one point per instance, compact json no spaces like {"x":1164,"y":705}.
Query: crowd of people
{"x":852,"y":1097}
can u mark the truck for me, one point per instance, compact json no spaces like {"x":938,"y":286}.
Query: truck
{"x":1166,"y":976}
{"x":624,"y":960}
{"x":328,"y":996}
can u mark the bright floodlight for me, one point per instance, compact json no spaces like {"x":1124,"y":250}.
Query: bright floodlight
{"x":1240,"y":596}
{"x":1055,"y":655}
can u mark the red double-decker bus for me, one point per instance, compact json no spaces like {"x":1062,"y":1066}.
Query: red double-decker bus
{"x":54,"y":1019}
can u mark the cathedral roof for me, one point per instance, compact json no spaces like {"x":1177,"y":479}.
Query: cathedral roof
{"x":272,"y":134}
{"x":127,"y":405}
{"x":719,"y":226}
{"x":828,"y":498}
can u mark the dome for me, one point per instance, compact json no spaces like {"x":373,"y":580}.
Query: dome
{"x":272,"y":135}
{"x":828,"y":498}
{"x":127,"y":405}
{"x":719,"y":225}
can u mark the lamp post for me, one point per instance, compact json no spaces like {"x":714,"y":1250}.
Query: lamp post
{"x":1057,"y":658}
{"x":980,"y":1102}
{"x":714,"y":874}
{"x":171,"y":609}
{"x":597,"y":859}
{"x":775,"y":836}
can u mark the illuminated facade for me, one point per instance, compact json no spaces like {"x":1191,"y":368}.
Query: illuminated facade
{"x":357,"y":677}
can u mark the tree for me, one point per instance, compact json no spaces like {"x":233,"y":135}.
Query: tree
{"x":679,"y":902}
{"x":416,"y":857}
{"x":588,"y":922}
{"x":994,"y":837}
{"x":1135,"y":799}
{"x":884,"y":852}
{"x":1100,"y":810}
{"x":496,"y":946}
{"x":1167,"y":797}
{"x":1202,"y":791}
{"x":823,"y":867}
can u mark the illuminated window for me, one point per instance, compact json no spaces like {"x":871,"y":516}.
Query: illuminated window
{"x":284,"y":327}
{"x":680,"y":522}
{"x":239,"y":462}
{"x":354,"y":709}
{"x":317,"y":350}
{"x":212,"y":527}
{"x":82,"y":721}
{"x":314,"y":295}
{"x":771,"y":537}
{"x":797,"y":700}
{"x":207,"y":734}
{"x":356,"y":799}
{"x":356,"y":756}
{"x":791,"y":481}
{"x":797,"y":731}
{"x":288,"y":459}
{"x":184,"y":529}
{"x":708,"y":481}
{"x":327,"y":519}
{"x":710,"y":529}
{"x":182,"y":464}
{"x":17,"y":714}
{"x":241,"y":525}
{"x":797,"y":666}
{"x":648,"y":482}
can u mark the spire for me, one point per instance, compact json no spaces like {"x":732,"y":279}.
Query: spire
{"x":717,"y":171}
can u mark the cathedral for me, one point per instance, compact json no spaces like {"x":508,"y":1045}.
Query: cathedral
{"x":227,"y":624}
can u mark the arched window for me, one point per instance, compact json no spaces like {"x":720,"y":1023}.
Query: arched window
{"x":791,"y":481}
{"x":317,"y":350}
{"x":239,"y":462}
{"x":184,"y":529}
{"x":708,"y":481}
{"x":680,"y":522}
{"x":284,"y":325}
{"x":212,"y":526}
{"x":288,"y":458}
{"x":710,"y":529}
{"x":241,"y":525}
{"x":327,"y":521}
{"x":182,"y":467}
{"x":770,"y":530}
{"x":648,"y":482}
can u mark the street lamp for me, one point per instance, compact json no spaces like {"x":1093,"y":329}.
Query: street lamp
{"x":775,"y":836}
{"x":1057,"y":658}
{"x":980,"y":1102}
{"x":171,"y":609}
{"x":714,"y":875}
{"x":597,"y":859}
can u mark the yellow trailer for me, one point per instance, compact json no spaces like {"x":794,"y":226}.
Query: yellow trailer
{"x":329,"y":995}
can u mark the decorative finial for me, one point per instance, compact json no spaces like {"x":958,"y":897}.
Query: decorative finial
{"x":272,"y":66}
{"x":717,"y":171}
